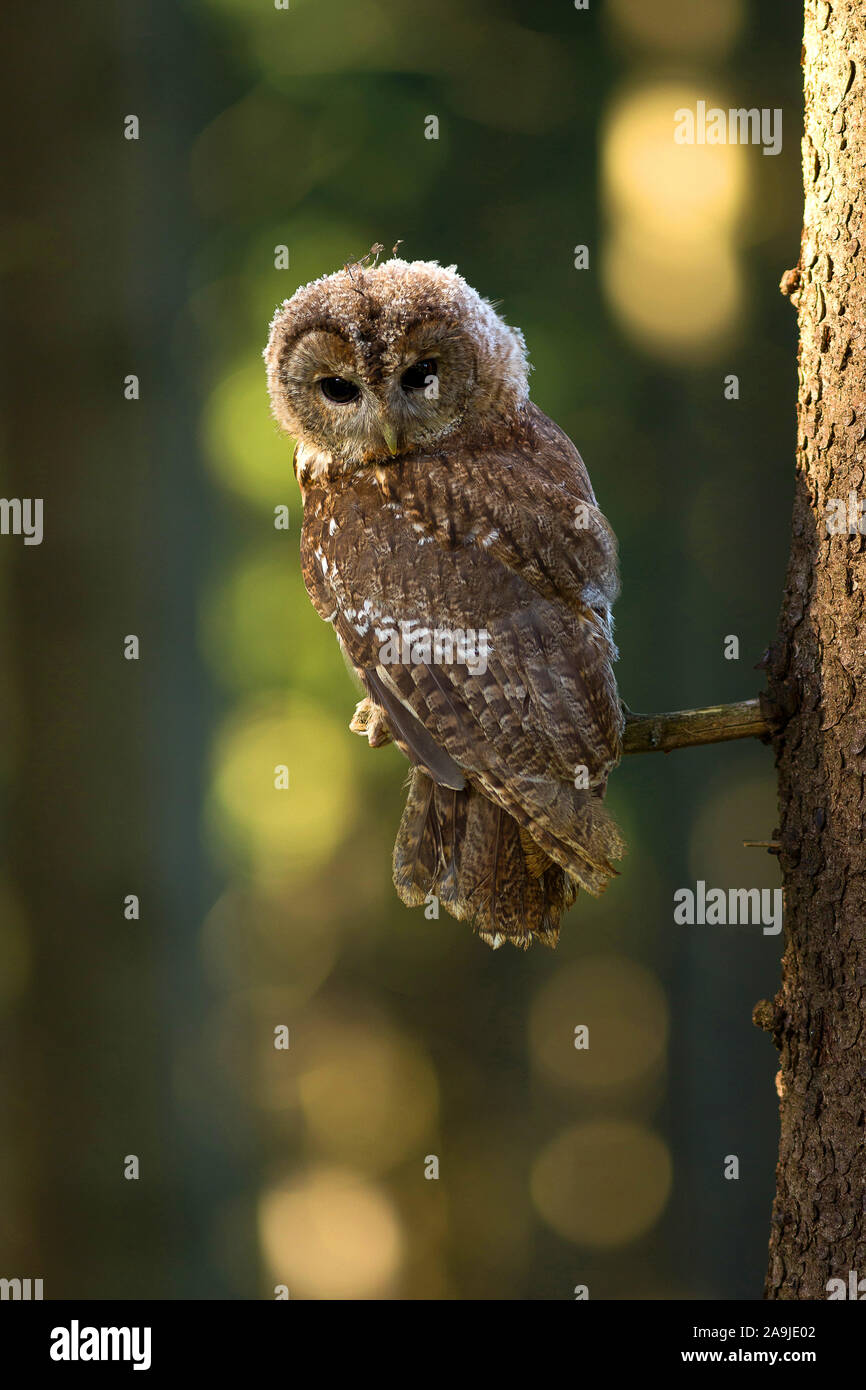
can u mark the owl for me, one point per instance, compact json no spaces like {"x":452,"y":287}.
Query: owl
{"x":452,"y":539}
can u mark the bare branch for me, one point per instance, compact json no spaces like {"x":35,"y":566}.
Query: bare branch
{"x":686,"y":728}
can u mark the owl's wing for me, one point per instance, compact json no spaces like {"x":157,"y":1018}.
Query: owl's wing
{"x":506,"y":547}
{"x":530,"y":510}
{"x":531,"y":505}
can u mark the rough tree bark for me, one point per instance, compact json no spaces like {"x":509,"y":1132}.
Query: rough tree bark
{"x":816,"y":672}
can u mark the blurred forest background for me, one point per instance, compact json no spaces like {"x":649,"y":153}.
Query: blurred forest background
{"x":305,"y":127}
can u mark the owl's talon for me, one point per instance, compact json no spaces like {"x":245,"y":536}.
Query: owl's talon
{"x":361,"y":718}
{"x":369,"y":721}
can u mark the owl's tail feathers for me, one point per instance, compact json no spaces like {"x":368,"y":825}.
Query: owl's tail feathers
{"x":594,"y":841}
{"x":459,"y":849}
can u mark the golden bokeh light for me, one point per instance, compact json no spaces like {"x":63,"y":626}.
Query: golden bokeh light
{"x":684,"y":310}
{"x":367,"y":1092}
{"x":259,"y":629}
{"x":622,"y":1005}
{"x":602,"y":1184}
{"x":276,"y":834}
{"x":673,"y":210}
{"x":679,"y":192}
{"x":241,"y":444}
{"x":330,"y":1235}
{"x":682,"y":27}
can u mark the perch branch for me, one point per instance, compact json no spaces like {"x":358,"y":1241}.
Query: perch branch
{"x":685,"y":728}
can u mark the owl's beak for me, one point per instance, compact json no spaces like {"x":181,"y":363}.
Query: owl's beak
{"x":389,"y":434}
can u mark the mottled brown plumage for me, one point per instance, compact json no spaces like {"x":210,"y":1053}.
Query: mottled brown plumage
{"x":438,"y":498}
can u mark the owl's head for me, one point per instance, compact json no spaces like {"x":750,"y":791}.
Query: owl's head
{"x":380,"y":361}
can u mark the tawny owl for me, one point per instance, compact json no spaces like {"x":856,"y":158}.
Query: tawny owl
{"x":451,"y":536}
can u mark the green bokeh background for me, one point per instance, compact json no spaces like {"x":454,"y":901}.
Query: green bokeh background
{"x":154,"y":1037}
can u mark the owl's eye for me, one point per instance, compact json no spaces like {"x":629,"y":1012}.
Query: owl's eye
{"x":339,"y":390}
{"x":415,"y":378}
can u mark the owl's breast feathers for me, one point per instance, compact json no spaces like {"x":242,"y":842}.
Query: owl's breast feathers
{"x":471,"y":591}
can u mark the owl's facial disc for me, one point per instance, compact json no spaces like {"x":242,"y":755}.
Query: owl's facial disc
{"x":328,"y":399}
{"x":391,"y":359}
{"x":340,"y":390}
{"x":364,"y":401}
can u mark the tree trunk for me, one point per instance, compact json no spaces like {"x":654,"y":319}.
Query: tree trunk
{"x":817,"y":676}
